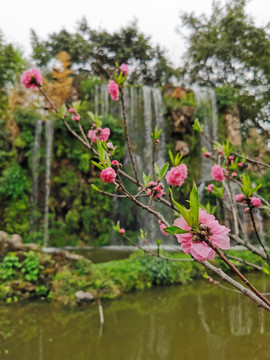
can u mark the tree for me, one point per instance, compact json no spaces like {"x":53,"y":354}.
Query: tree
{"x":227,"y":49}
{"x":95,"y":52}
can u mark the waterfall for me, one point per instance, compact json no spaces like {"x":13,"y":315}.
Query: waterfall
{"x":207,"y":110}
{"x":144,"y":110}
{"x":36,"y":148}
{"x":49,"y":142}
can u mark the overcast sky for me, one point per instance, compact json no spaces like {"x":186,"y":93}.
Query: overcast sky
{"x":158,"y":19}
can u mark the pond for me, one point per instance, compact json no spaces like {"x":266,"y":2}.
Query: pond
{"x":199,"y":321}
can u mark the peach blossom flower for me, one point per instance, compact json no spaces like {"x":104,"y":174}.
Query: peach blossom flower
{"x":31,"y":79}
{"x":239,"y":197}
{"x":110,"y":145}
{"x":162,"y":227}
{"x":108,"y":175}
{"x":155,"y":189}
{"x":124,"y":69}
{"x":100,"y":134}
{"x":122,"y":231}
{"x":76,"y":117}
{"x":177,"y":175}
{"x":113,"y":90}
{"x":210,"y":187}
{"x":256,"y":202}
{"x":217,"y":173}
{"x":199,"y":249}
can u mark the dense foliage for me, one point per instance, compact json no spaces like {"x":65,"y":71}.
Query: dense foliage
{"x":227,"y":50}
{"x":94,"y":52}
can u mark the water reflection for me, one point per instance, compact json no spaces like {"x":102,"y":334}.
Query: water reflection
{"x":198,"y":321}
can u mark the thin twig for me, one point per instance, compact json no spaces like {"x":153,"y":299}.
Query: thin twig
{"x":238,"y":273}
{"x":152,"y":252}
{"x":236,"y":284}
{"x":257,"y":267}
{"x":256,"y":232}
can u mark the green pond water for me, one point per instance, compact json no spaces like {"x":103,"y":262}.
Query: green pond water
{"x":198,"y":321}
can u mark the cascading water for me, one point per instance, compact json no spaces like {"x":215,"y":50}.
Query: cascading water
{"x":207,"y":109}
{"x":36,"y":164}
{"x":36,"y":148}
{"x":49,"y":142}
{"x":144,"y":110}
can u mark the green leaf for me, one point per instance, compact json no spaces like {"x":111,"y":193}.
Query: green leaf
{"x":116,"y":227}
{"x":246,"y":185}
{"x":94,"y":187}
{"x":171,"y":157}
{"x":157,"y":170}
{"x":164,"y":170}
{"x":197,"y":126}
{"x":175,"y":230}
{"x":144,"y":179}
{"x":76,"y":105}
{"x":97,"y":165}
{"x":194,"y":206}
{"x":182,"y":210}
{"x":108,"y":161}
{"x":253,"y":190}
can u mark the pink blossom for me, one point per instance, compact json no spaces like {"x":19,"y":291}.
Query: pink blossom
{"x":71,"y":110}
{"x":108,"y":175}
{"x":110,"y":145}
{"x":122,"y":231}
{"x":207,"y":154}
{"x":155,"y":189}
{"x":115,"y":162}
{"x":92,"y":134}
{"x":210,"y":279}
{"x":177,"y":175}
{"x":31,"y":79}
{"x":100,"y":134}
{"x":231,"y":157}
{"x":246,"y":209}
{"x":113,"y":90}
{"x":256,"y":202}
{"x":162,"y":227}
{"x":239,"y":197}
{"x":103,"y":134}
{"x":218,"y":173}
{"x":124,"y":69}
{"x":210,"y":187}
{"x":234,"y":173}
{"x":240,"y":164}
{"x":220,"y":152}
{"x":200,"y":250}
{"x":76,"y":117}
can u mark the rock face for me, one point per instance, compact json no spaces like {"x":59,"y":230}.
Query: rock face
{"x":83,"y":297}
{"x":232,"y":121}
{"x":181,"y":117}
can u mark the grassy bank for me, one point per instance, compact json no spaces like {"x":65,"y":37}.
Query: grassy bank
{"x":33,"y":275}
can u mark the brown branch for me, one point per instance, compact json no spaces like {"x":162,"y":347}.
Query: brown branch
{"x":238,"y":273}
{"x":235,"y":284}
{"x":152,"y":252}
{"x":256,"y":232}
{"x":257,"y":267}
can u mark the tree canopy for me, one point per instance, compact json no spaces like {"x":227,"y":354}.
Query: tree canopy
{"x":95,"y":52}
{"x":227,"y":49}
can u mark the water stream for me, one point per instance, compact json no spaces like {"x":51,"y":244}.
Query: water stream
{"x":197,"y":321}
